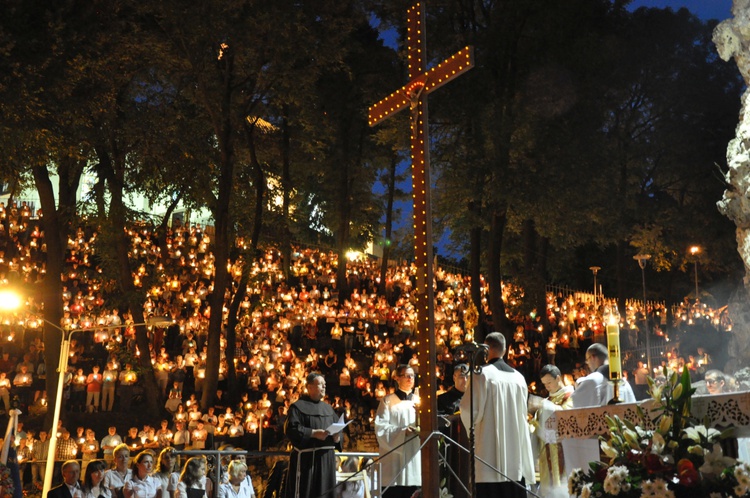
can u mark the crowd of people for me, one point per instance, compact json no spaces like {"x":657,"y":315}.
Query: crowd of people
{"x":288,"y":328}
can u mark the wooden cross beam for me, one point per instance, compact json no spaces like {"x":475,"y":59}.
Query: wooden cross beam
{"x":414,"y":96}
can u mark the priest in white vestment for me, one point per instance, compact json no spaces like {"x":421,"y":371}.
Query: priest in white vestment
{"x":595,"y":389}
{"x":505,"y":463}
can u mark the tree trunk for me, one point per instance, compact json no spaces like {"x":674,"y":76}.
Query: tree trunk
{"x":494,"y":276}
{"x":475,"y":263}
{"x":114,"y":171}
{"x":286,"y":187}
{"x":622,"y":246}
{"x":161,"y":231}
{"x":391,"y":195}
{"x":51,"y":287}
{"x":221,"y":244}
{"x":342,"y":234}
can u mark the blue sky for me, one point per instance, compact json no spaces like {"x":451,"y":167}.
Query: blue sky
{"x":705,"y":9}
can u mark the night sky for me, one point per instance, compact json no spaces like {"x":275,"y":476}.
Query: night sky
{"x":705,"y":9}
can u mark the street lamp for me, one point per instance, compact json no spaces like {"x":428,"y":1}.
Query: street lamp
{"x":595,"y":269}
{"x":642,"y":260}
{"x":62,"y":368}
{"x":694,"y":252}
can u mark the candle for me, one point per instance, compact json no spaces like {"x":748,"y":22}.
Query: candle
{"x":613,"y":344}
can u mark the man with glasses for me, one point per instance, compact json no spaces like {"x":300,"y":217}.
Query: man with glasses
{"x":397,"y":431}
{"x":312,"y":473}
{"x":715,"y":382}
{"x":70,"y":488}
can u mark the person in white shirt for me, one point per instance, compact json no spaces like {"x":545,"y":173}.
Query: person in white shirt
{"x":115,"y":478}
{"x":141,"y":484}
{"x":165,"y":473}
{"x":595,"y":388}
{"x":239,"y":485}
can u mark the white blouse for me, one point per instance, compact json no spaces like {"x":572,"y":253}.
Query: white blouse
{"x":226,"y":490}
{"x":141,"y":488}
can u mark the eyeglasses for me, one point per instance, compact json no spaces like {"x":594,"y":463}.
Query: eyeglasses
{"x":712,"y":381}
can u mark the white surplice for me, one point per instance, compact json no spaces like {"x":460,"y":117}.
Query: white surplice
{"x":500,"y":423}
{"x":402,"y":467}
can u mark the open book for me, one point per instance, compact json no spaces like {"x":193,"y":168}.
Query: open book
{"x":338,"y":426}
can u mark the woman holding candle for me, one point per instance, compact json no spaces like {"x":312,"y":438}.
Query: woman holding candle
{"x":93,"y":482}
{"x":180,"y":415}
{"x":141,"y":484}
{"x":93,"y":389}
{"x":164,"y":435}
{"x":89,"y":449}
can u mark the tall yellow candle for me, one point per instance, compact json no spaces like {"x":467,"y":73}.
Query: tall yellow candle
{"x":613,"y":344}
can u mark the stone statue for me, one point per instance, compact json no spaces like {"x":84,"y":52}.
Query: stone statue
{"x":732,"y":40}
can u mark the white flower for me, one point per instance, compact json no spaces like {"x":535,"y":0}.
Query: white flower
{"x":701,"y":432}
{"x":444,"y":493}
{"x":656,"y":489}
{"x":715,"y":462}
{"x":586,"y":490}
{"x":609,"y":450}
{"x":742,"y":474}
{"x":616,"y":480}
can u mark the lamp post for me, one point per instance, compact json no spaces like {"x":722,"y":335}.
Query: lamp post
{"x":642,"y":260}
{"x":694,"y":251}
{"x":62,"y":368}
{"x":595,"y":269}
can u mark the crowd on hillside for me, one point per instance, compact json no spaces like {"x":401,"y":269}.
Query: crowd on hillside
{"x":287,"y":329}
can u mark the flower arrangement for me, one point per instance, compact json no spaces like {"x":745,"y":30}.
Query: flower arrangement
{"x":678,"y":458}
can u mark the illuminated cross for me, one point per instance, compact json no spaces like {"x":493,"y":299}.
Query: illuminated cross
{"x":414,"y":96}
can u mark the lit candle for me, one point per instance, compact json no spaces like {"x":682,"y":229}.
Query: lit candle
{"x":613,"y":344}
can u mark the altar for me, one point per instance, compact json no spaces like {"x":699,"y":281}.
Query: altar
{"x":578,"y":430}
